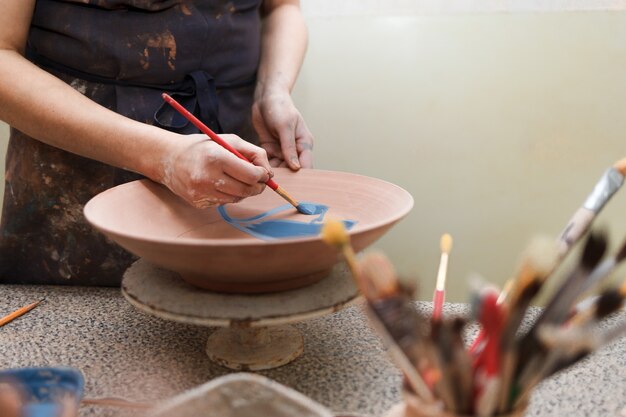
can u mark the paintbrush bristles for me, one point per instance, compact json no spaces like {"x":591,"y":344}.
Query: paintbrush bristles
{"x":621,"y":254}
{"x":609,"y":302}
{"x":445,"y":243}
{"x":539,"y":260}
{"x":334,"y":233}
{"x":543,"y":253}
{"x":569,"y":339}
{"x":594,"y":250}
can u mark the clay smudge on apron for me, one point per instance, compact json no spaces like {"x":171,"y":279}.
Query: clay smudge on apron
{"x":164,"y":43}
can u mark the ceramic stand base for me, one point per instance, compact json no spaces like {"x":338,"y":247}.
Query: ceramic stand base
{"x":255,"y":349}
{"x":253,"y":333}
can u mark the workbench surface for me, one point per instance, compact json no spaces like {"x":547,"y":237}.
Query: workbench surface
{"x":125,"y":353}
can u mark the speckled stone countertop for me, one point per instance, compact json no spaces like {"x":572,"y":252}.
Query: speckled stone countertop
{"x":125,"y":353}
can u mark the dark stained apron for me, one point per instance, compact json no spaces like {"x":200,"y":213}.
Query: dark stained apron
{"x":122,"y":54}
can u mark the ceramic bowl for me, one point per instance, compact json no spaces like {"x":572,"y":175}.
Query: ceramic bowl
{"x":208,"y":252}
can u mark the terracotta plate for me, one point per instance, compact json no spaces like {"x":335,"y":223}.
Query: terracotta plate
{"x":153,"y":223}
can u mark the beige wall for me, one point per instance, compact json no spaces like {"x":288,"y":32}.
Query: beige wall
{"x":498,"y":124}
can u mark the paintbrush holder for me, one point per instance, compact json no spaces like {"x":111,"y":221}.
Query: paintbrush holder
{"x":414,"y":407}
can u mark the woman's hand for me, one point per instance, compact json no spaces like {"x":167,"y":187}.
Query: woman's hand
{"x":280,"y":126}
{"x":205,"y":174}
{"x":282,"y":130}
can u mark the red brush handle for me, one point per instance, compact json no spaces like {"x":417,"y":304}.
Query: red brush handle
{"x":206,"y":130}
{"x":479,"y":338}
{"x":490,"y":317}
{"x":438,"y":299}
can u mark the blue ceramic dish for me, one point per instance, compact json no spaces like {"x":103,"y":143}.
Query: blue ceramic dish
{"x":42,"y":389}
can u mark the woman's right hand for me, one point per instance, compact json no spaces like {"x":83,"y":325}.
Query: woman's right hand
{"x":205,"y":174}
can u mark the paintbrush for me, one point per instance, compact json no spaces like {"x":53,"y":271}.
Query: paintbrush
{"x":605,"y":188}
{"x":539,"y":260}
{"x":591,"y":339}
{"x":608,"y":302}
{"x":558,"y":307}
{"x":462,"y":369}
{"x":580,"y":222}
{"x":19,"y":312}
{"x":375,"y":277}
{"x":441,"y":352}
{"x":487,"y":363}
{"x":602,"y":271}
{"x":215,"y":138}
{"x":565,"y":345}
{"x":557,"y":346}
{"x":531,"y":351}
{"x":478,"y":344}
{"x":537,"y":263}
{"x":391,"y":314}
{"x":568,"y":345}
{"x":445,"y":244}
{"x":334,"y":234}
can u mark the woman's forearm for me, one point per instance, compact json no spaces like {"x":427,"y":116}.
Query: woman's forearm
{"x":283,"y":45}
{"x":49,"y":110}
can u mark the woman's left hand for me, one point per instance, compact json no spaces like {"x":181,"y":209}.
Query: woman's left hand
{"x":282,"y":131}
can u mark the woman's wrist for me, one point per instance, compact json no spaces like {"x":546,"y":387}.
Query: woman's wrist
{"x":269,"y":87}
{"x":160,"y":146}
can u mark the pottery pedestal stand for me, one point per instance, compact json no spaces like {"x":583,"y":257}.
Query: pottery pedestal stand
{"x":254,"y":332}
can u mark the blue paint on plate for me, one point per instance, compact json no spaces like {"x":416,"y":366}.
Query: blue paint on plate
{"x":261,"y":227}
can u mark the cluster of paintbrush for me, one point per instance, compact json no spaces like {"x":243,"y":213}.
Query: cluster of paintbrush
{"x":497,"y":373}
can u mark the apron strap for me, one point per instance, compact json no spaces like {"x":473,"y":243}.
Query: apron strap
{"x":200,"y":99}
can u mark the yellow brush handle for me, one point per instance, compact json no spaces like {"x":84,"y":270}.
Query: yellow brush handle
{"x":18,"y":313}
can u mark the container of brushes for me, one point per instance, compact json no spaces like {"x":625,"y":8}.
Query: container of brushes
{"x":412,"y":406}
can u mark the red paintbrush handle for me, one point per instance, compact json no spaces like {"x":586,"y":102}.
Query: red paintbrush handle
{"x":438,"y":299}
{"x":479,"y":338}
{"x":206,"y":130}
{"x":270,"y":183}
{"x":203,"y":128}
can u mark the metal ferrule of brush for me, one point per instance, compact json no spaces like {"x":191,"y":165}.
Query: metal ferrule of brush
{"x":608,"y":185}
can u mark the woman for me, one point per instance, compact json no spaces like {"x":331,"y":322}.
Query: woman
{"x":80,"y":84}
